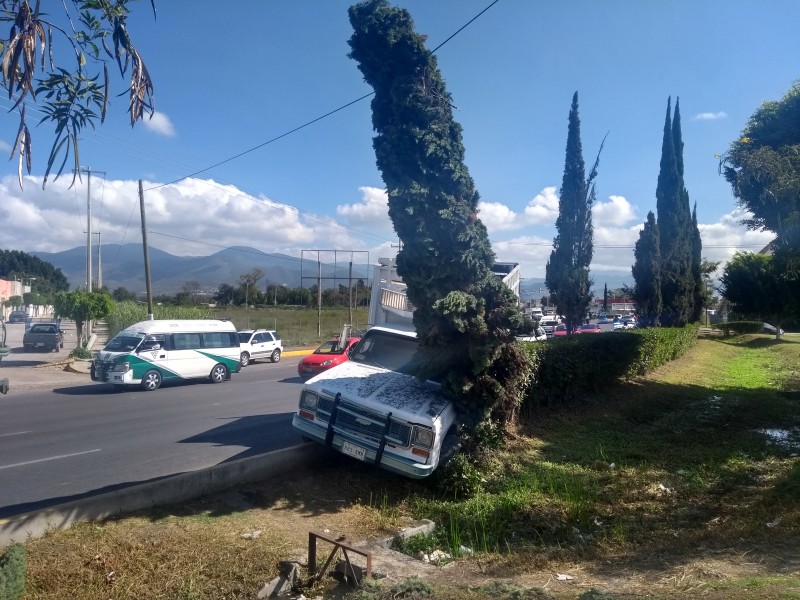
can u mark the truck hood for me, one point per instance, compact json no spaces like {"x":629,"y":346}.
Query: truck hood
{"x":406,"y":396}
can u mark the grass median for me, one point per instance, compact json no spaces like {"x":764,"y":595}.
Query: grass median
{"x":679,"y":484}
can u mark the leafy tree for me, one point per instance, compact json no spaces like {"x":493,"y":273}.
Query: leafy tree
{"x":122,"y":294}
{"x":249,"y":286}
{"x":465,"y":317}
{"x":647,"y":272}
{"x":763,"y":168}
{"x":759,"y":288}
{"x":82,"y":307}
{"x":224,"y":295}
{"x":191,"y":289}
{"x":21,"y":265}
{"x":567,"y":271}
{"x":698,"y":296}
{"x":70,"y":98}
{"x":674,"y":226}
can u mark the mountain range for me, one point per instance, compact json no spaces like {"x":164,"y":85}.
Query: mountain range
{"x":122,"y":265}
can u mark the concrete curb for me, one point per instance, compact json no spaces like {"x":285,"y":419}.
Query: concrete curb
{"x":169,"y":490}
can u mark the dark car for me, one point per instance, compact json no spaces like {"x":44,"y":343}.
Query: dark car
{"x":44,"y":336}
{"x":17,"y":316}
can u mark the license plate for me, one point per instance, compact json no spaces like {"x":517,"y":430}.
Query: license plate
{"x":40,"y":343}
{"x":354,"y":451}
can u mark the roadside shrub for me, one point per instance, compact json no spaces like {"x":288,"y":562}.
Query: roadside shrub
{"x":739,"y":327}
{"x":457,"y":478}
{"x":564,"y":368}
{"x":81,"y":352}
{"x":12,"y":573}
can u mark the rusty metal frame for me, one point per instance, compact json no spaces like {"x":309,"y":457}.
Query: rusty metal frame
{"x":313,"y":536}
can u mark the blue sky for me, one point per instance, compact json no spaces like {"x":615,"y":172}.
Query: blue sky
{"x":227,"y":82}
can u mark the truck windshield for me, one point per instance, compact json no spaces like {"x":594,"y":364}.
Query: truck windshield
{"x":382,"y":349}
{"x":124,"y":342}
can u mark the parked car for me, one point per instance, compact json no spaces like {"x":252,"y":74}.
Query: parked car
{"x":537,"y":335}
{"x":628,"y":322}
{"x":549,"y":324}
{"x":327,"y":356}
{"x":43,"y":336}
{"x":17,"y":316}
{"x":767,"y":328}
{"x":560,"y":331}
{"x":589,"y":328}
{"x":602,"y":319}
{"x":258,"y":344}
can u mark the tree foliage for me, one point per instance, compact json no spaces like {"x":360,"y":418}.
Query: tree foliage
{"x":465,"y":316}
{"x":763,"y":168}
{"x":15,"y":264}
{"x":567,"y":270}
{"x":759,"y":288}
{"x":647,"y":271}
{"x":71,"y":97}
{"x":674,"y":227}
{"x":82,"y":307}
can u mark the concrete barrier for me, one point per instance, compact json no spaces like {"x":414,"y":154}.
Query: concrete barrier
{"x":169,"y":490}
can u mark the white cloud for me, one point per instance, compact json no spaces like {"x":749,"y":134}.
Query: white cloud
{"x":159,"y":123}
{"x":617,"y":211}
{"x":498,"y":217}
{"x":372,"y":213}
{"x":5,"y":146}
{"x":543,"y":209}
{"x":710,"y":116}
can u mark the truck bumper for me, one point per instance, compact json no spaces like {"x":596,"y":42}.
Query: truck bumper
{"x":390,"y":461}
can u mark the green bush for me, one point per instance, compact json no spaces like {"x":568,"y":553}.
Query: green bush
{"x":740,"y":327}
{"x":81,"y":352}
{"x":12,"y":573}
{"x":565,"y":368}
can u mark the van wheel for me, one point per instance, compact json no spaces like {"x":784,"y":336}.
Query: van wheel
{"x":151,"y":381}
{"x":244,"y":359}
{"x":275,"y":356}
{"x":219,"y":373}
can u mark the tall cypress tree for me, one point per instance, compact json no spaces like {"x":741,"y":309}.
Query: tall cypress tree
{"x":647,"y":272}
{"x":567,"y":271}
{"x":465,"y":316}
{"x":674,"y":222}
{"x":605,"y":296}
{"x":698,"y":292}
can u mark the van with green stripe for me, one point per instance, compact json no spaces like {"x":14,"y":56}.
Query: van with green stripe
{"x":152,"y":352}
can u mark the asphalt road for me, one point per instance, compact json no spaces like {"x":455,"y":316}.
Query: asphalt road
{"x":61,"y":444}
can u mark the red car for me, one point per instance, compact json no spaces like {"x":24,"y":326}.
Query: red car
{"x":560,"y":331}
{"x":590,"y":328}
{"x":326,"y":356}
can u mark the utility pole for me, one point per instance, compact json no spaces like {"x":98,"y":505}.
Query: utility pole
{"x":88,"y":172}
{"x":99,"y":263}
{"x":146,"y":256}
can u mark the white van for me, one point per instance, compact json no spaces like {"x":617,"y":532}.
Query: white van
{"x":150,"y":352}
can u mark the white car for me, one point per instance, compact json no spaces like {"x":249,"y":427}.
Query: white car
{"x":537,"y":335}
{"x":259,"y":343}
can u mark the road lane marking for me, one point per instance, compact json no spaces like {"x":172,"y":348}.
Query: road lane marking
{"x":15,"y":433}
{"x":38,"y":460}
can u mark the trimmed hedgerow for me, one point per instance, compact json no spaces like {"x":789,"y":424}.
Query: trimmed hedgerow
{"x":564,"y":368}
{"x":740,"y":327}
{"x":12,"y":573}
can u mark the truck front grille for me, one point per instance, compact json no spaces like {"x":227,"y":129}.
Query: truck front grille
{"x":371,"y":424}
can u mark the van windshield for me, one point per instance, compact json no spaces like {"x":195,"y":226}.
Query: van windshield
{"x":124,"y":342}
{"x":383,"y":349}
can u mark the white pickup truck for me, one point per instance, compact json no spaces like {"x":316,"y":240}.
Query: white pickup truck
{"x":372,"y":409}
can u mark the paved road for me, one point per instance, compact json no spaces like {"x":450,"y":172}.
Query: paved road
{"x":61,"y":443}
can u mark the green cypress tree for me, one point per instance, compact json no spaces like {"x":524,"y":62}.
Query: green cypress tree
{"x":698,"y":287}
{"x":647,"y":272}
{"x":672,"y":204}
{"x":465,"y":317}
{"x":605,"y":297}
{"x":567,"y":271}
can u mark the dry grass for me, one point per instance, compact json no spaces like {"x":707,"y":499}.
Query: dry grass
{"x":551,"y":503}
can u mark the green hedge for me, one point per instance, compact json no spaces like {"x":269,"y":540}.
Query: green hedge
{"x":564,"y":368}
{"x":740,"y":327}
{"x":12,"y":573}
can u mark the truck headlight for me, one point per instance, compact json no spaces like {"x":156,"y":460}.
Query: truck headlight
{"x":309,"y":401}
{"x":121,"y":367}
{"x":423,"y":437}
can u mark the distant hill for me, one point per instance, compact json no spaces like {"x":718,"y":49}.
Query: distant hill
{"x":123,"y":266}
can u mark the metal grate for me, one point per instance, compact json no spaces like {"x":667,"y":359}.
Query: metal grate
{"x":371,"y":424}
